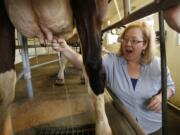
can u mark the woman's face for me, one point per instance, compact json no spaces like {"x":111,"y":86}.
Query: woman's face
{"x":133,"y":44}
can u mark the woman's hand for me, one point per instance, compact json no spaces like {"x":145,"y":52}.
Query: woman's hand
{"x":155,"y":103}
{"x":60,"y":45}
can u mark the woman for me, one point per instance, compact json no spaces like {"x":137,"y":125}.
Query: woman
{"x":134,"y":75}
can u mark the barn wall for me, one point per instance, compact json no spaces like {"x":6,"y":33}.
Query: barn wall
{"x":173,"y":60}
{"x":173,"y":56}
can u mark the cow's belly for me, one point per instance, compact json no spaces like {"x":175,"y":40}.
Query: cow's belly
{"x":44,"y":19}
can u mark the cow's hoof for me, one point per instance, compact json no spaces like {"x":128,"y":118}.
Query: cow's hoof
{"x":103,"y":129}
{"x":59,"y":82}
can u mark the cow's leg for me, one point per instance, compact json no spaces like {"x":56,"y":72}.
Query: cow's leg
{"x":102,"y":124}
{"x":7,"y":72}
{"x":88,"y":22}
{"x":7,"y":83}
{"x":60,"y":77}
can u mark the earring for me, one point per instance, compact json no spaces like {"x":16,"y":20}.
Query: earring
{"x":143,"y":52}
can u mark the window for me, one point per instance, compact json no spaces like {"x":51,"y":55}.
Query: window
{"x":111,"y":39}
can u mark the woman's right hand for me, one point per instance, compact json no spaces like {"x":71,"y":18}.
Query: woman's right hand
{"x":60,"y":45}
{"x":75,"y":58}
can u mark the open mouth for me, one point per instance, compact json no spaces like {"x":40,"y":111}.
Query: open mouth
{"x":129,"y":50}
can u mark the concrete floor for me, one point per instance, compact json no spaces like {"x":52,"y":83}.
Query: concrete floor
{"x":64,"y":106}
{"x":51,"y":105}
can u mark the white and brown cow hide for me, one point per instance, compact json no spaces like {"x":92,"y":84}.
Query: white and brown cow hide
{"x":44,"y":19}
{"x":7,"y":72}
{"x":49,"y":20}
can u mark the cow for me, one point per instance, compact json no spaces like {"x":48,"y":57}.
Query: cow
{"x":49,"y":20}
{"x":60,"y":80}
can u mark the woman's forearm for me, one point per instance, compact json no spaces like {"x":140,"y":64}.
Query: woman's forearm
{"x":169,"y":93}
{"x":74,"y":57}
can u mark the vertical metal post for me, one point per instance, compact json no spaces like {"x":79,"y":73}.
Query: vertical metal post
{"x":35,"y":49}
{"x":163,"y":73}
{"x":59,"y":58}
{"x":117,"y":8}
{"x":127,"y":7}
{"x":26,"y":65}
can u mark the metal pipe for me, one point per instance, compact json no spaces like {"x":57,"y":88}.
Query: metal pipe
{"x":19,"y":76}
{"x":32,"y":46}
{"x":174,"y":106}
{"x":117,"y":8}
{"x":119,"y":106}
{"x":45,"y":63}
{"x":26,"y":65}
{"x":38,"y":46}
{"x":127,"y":7}
{"x":163,"y":73}
{"x":143,"y":12}
{"x":35,"y":49}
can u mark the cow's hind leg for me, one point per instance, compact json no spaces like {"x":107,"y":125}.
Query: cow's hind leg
{"x":88,"y":23}
{"x":102,"y":125}
{"x":60,"y":77}
{"x":7,"y":84}
{"x":101,"y":120}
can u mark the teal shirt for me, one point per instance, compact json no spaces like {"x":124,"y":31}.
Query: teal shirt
{"x":148,"y":85}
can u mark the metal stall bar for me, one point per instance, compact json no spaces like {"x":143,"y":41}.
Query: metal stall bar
{"x":32,"y":46}
{"x":127,"y":7}
{"x":143,"y":12}
{"x":26,"y":65}
{"x":121,"y":108}
{"x":37,"y":46}
{"x":35,"y":66}
{"x":19,"y":76}
{"x":163,"y":73}
{"x":117,"y":8}
{"x":45,"y":63}
{"x":20,"y":46}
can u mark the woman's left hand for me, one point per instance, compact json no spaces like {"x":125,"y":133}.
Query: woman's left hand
{"x":155,"y":103}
